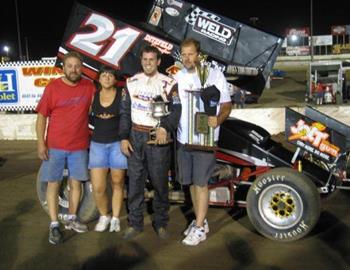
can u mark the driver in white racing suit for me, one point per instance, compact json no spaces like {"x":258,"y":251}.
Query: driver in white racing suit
{"x":149,"y":159}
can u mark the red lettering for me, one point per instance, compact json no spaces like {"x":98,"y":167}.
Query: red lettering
{"x":39,"y":71}
{"x":32,"y":71}
{"x":42,"y":82}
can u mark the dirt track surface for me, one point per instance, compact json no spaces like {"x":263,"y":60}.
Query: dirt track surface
{"x":232,"y":242}
{"x":287,"y":91}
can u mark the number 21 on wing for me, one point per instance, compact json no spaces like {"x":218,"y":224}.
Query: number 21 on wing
{"x":105,"y":43}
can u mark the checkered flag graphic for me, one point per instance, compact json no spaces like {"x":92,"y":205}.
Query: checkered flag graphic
{"x":192,"y":17}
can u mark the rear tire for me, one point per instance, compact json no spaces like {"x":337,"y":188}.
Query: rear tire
{"x":283,"y":204}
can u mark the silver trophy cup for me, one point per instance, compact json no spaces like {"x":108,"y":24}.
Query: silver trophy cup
{"x":200,"y":135}
{"x":159,"y":110}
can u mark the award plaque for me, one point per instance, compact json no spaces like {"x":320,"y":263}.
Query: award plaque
{"x":201,"y":123}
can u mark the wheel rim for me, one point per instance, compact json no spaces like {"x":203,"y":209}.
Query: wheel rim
{"x":280,"y":206}
{"x":63,"y":195}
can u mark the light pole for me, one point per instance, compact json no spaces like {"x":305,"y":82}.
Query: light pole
{"x":312,"y":31}
{"x":18,"y":33}
{"x":6,"y":50}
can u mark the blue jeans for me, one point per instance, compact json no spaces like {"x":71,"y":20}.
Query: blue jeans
{"x":52,"y":169}
{"x":106,"y":155}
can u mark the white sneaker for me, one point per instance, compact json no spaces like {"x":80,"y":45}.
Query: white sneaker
{"x":193,"y":223}
{"x":102,"y":223}
{"x":206,"y":226}
{"x":187,"y":231}
{"x":195,"y":236}
{"x":115,"y":225}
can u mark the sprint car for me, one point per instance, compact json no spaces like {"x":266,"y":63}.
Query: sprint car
{"x":281,"y":187}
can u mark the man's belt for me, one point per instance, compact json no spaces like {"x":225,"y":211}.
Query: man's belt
{"x":141,"y":128}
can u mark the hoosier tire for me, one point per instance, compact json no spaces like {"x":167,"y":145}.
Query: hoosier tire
{"x":283,"y":204}
{"x":87,"y":210}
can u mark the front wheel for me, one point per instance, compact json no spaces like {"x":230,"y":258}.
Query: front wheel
{"x":283,"y":204}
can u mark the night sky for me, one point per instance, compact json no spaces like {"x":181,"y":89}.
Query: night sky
{"x":42,"y":23}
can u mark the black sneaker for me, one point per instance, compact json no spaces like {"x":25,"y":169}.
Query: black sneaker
{"x":162,"y":233}
{"x":55,"y":235}
{"x":130,"y":233}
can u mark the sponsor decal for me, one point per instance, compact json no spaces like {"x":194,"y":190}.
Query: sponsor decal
{"x":141,"y":107}
{"x":155,"y":17}
{"x":143,"y":95}
{"x":172,"y":70}
{"x":175,"y":3}
{"x":124,"y":93}
{"x":209,"y":25}
{"x":213,"y":103}
{"x":214,"y":30}
{"x":172,"y":11}
{"x":8,"y":86}
{"x":256,"y":136}
{"x":316,"y":135}
{"x":163,"y":46}
{"x":175,"y":98}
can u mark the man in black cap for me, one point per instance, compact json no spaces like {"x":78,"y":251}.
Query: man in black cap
{"x":196,"y":167}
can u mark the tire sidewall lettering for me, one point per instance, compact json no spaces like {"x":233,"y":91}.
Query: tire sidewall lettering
{"x":258,"y":187}
{"x":299,"y":229}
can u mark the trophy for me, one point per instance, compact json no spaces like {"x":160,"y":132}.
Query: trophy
{"x":200,"y":135}
{"x":159,"y":110}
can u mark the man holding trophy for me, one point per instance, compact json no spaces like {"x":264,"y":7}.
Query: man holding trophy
{"x":206,"y":103}
{"x":155,"y":109}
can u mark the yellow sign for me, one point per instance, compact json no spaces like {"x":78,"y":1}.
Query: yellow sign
{"x":341,"y":48}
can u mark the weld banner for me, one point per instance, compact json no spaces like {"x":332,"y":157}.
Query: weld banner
{"x":222,"y":38}
{"x":103,"y":40}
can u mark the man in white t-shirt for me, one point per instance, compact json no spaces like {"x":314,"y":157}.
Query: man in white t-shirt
{"x":196,"y":167}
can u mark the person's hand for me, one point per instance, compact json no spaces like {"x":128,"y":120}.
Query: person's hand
{"x":43,"y":152}
{"x":161,"y":135}
{"x":212,"y":121}
{"x":126,"y":147}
